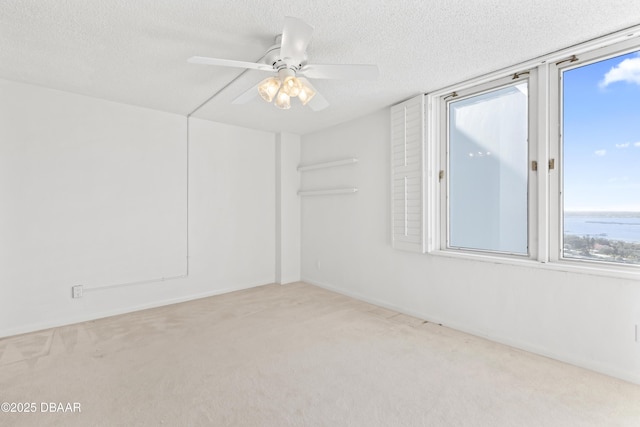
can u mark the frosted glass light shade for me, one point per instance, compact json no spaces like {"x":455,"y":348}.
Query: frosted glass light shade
{"x":283,"y":101}
{"x":268,"y":88}
{"x":291,"y":86}
{"x":305,"y":95}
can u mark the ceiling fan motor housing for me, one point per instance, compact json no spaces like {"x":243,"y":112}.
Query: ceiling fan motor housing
{"x":274,"y":58}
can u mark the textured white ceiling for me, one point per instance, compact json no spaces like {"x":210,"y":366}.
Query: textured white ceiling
{"x":135,"y":52}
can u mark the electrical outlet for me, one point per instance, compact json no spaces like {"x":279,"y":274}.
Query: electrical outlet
{"x":76,"y":291}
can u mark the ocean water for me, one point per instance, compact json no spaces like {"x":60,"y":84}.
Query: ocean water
{"x":612,"y":226}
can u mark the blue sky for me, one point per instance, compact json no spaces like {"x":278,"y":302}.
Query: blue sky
{"x":602,"y":135}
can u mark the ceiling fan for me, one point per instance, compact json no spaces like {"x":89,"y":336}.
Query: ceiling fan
{"x":288,"y":60}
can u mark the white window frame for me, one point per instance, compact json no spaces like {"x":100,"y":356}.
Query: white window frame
{"x":444,"y":102}
{"x":556,"y":208}
{"x":545,"y":219}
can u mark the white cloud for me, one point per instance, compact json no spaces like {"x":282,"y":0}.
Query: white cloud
{"x":636,"y":144}
{"x":600,"y":153}
{"x":626,"y":71}
{"x":625,"y":145}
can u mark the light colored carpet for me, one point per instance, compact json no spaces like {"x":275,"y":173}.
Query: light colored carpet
{"x":295,"y":355}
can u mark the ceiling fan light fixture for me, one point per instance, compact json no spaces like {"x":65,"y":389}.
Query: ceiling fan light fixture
{"x":268,"y":88}
{"x":287,"y":58}
{"x":283,"y":101}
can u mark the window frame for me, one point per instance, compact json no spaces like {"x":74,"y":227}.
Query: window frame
{"x":444,"y":105}
{"x":545,"y":238}
{"x":556,"y":237}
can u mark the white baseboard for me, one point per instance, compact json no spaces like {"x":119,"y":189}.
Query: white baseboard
{"x":39,"y":326}
{"x":572,"y":360}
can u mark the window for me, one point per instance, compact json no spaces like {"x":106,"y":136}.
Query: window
{"x":541,"y":161}
{"x":487,"y":151}
{"x":600,"y":151}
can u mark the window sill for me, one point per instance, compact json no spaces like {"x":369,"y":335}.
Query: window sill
{"x":576,"y":267}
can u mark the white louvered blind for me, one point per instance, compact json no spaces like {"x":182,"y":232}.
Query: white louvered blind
{"x":407,"y":163}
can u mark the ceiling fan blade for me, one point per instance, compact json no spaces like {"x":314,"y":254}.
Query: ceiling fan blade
{"x":247,"y":96}
{"x":318,"y":102}
{"x":340,"y":71}
{"x":229,"y":63}
{"x":295,"y":38}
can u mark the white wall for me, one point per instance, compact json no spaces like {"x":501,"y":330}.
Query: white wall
{"x":232,"y":206}
{"x":287,"y":208}
{"x":582,"y":319}
{"x":95,"y":193}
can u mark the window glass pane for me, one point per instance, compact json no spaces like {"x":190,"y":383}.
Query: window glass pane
{"x":601,"y":160}
{"x":488,"y":158}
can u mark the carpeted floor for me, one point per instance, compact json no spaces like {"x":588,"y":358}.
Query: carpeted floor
{"x":293,"y":355}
